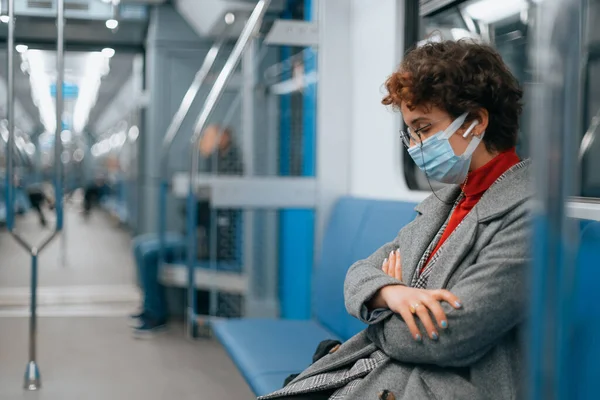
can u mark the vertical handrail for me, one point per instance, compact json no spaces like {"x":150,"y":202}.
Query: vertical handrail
{"x":250,"y":29}
{"x":32,"y":373}
{"x":10,"y":145}
{"x":172,"y":132}
{"x":556,"y":114}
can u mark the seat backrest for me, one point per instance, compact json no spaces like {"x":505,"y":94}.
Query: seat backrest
{"x":587,"y":275}
{"x":585,"y":347}
{"x":382,"y":222}
{"x":357,"y":227}
{"x":335,"y":258}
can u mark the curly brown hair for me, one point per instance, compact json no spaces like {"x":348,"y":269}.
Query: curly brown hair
{"x":458,"y":77}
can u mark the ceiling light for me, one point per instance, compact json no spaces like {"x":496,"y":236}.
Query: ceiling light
{"x":4,"y":19}
{"x":21,"y":48}
{"x":65,"y":157}
{"x":112,"y":23}
{"x":229,"y":18}
{"x":78,"y":155}
{"x":490,"y":11}
{"x":66,"y":136}
{"x":89,"y":83}
{"x":134,"y":132}
{"x":108,"y":52}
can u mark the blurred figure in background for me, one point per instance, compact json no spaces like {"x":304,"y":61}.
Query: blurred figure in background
{"x":93,"y":193}
{"x":218,"y":155}
{"x":38,"y":198}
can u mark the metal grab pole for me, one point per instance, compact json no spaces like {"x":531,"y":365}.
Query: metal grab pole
{"x":60,"y":75}
{"x":209,"y":104}
{"x":10,"y":144}
{"x":555,"y":114}
{"x":172,"y":131}
{"x":62,"y":260}
{"x":32,"y":373}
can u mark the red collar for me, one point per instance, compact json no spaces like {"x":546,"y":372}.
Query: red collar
{"x":479,"y":180}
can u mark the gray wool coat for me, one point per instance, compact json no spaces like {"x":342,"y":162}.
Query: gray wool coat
{"x":484,"y":263}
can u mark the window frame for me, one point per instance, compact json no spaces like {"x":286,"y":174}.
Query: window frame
{"x":579,"y":207}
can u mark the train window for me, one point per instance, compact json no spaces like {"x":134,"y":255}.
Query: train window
{"x":504,"y":24}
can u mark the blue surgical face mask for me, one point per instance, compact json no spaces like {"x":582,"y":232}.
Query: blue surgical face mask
{"x":436,"y":157}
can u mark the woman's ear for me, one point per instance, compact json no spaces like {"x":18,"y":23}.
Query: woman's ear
{"x":483,"y":116}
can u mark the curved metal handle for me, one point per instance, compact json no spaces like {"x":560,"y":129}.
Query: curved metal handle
{"x":217,"y":90}
{"x":173,"y":130}
{"x":58,"y":187}
{"x":190,"y":96}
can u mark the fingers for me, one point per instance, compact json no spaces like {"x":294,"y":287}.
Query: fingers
{"x":423,"y":313}
{"x":389,"y":264}
{"x":436,"y":309}
{"x":392,"y":265}
{"x":398,"y":265}
{"x":408,"y":317}
{"x":385,"y":266}
{"x":444,"y":295}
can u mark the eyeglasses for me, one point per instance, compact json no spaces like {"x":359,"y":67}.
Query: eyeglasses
{"x":409,"y":135}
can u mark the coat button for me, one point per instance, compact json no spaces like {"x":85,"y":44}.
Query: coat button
{"x":386,"y":395}
{"x":335,"y":348}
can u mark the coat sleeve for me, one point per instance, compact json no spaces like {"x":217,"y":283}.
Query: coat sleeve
{"x":494,"y":302}
{"x":363,"y":281}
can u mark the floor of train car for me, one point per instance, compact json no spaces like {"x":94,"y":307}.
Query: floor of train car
{"x":85,"y":348}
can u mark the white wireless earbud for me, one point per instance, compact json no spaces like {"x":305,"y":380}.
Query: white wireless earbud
{"x":473,"y":125}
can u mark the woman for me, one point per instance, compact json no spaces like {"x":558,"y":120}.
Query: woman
{"x":445,"y":300}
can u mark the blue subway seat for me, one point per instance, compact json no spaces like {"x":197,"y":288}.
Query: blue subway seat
{"x":584,"y":345}
{"x":266,"y":351}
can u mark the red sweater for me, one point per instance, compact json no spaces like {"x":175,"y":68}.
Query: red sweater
{"x":477,"y":183}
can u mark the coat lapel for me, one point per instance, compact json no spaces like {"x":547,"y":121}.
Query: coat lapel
{"x":510,"y":190}
{"x":452,"y":252}
{"x":416,"y":237}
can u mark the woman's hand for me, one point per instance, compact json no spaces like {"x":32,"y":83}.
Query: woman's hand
{"x":408,"y":302}
{"x":393,"y":265}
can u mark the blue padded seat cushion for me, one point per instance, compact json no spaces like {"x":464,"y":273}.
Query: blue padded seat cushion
{"x":268,"y":350}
